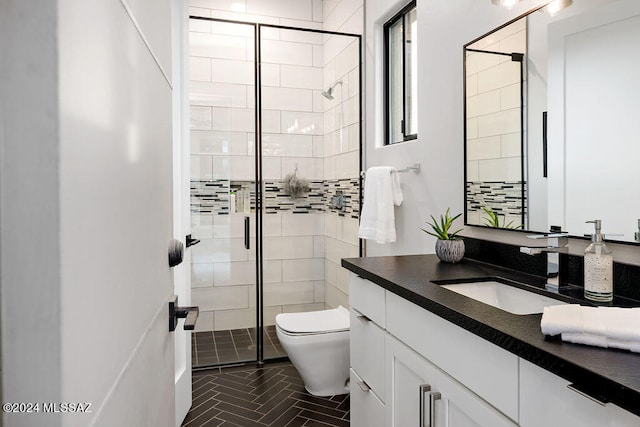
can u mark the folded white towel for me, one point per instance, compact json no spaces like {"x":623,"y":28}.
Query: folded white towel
{"x":621,"y":323}
{"x":625,"y":345}
{"x":587,"y":339}
{"x":608,"y":327}
{"x":381,"y":193}
{"x":556,"y":321}
{"x":600,"y":341}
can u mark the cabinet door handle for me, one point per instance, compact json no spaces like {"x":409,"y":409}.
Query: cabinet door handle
{"x":433,"y":396}
{"x":364,"y":386}
{"x":363,"y":318}
{"x":424,"y":389}
{"x":585,"y":394}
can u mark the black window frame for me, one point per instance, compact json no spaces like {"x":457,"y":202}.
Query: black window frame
{"x":401,"y":15}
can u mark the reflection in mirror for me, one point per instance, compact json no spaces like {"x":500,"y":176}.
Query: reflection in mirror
{"x":594,"y":61}
{"x":495,"y":74}
{"x":579,"y":69}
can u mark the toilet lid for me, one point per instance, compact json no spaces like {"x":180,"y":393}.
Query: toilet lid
{"x":323,"y":321}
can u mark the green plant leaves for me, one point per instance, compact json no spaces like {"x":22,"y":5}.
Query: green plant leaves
{"x":493,"y":220}
{"x":441,"y":227}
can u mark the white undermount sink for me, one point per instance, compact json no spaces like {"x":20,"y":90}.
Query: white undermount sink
{"x":503,"y":296}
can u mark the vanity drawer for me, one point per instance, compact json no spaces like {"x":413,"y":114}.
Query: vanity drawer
{"x":368,"y":298}
{"x":367,"y":351}
{"x":546,"y":399}
{"x":366,"y":408}
{"x":484,"y":368}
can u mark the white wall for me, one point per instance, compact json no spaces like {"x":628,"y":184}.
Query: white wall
{"x":341,"y":148}
{"x":443,"y":29}
{"x":89,"y":187}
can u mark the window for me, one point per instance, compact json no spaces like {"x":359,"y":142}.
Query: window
{"x":401,"y":101}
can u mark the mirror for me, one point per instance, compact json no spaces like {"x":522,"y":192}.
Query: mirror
{"x":550,"y":110}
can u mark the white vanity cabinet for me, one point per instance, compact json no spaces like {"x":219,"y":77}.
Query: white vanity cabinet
{"x":419,"y":394}
{"x":390,"y":346}
{"x":545,"y":400}
{"x":401,"y":354}
{"x":484,"y":368}
{"x":367,"y":341}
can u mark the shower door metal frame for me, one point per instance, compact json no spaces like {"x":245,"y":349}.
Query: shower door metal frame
{"x":259,"y":360}
{"x":515,"y":57}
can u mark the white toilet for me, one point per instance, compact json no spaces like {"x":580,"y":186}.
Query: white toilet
{"x":317,"y":343}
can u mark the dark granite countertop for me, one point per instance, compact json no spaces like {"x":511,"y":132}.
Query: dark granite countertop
{"x":606,"y":374}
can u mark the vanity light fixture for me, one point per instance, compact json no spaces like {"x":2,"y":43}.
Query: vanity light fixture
{"x":556,"y":6}
{"x":506,"y":3}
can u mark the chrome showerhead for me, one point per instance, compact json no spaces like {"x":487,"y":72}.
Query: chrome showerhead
{"x":329,"y":92}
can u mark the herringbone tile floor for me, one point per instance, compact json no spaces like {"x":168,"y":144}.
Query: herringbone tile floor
{"x":273,"y":395}
{"x":232,"y":346}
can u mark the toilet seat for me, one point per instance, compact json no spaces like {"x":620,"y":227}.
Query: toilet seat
{"x":314,"y":322}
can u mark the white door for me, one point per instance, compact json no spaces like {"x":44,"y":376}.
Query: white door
{"x":181,"y":215}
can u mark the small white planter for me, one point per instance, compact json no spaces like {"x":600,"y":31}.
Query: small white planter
{"x":450,"y":250}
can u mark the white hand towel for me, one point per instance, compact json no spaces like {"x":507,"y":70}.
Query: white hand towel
{"x":600,"y":341}
{"x":587,"y":339}
{"x":557,"y":319}
{"x":621,"y":323}
{"x":608,"y":327}
{"x":624,"y":345}
{"x":381,"y":193}
{"x":592,"y":321}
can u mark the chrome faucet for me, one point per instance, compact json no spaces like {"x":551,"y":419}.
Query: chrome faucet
{"x":556,"y":243}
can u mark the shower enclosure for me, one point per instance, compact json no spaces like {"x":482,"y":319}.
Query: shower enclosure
{"x":275,"y":187}
{"x":495,"y":131}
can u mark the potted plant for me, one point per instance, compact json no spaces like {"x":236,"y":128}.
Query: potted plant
{"x":449,"y":247}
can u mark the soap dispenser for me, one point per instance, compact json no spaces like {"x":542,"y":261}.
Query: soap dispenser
{"x":598,"y":268}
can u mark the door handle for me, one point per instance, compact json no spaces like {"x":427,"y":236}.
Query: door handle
{"x":247,"y":227}
{"x":190,"y":241}
{"x":176,"y":252}
{"x":363,"y":318}
{"x":364,"y":386}
{"x":189,"y":314}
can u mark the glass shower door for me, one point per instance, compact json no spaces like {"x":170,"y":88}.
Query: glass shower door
{"x":310,"y":163}
{"x":271,"y":161}
{"x":223,"y":192}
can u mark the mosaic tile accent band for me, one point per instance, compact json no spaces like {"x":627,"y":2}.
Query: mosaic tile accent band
{"x":338,"y":196}
{"x":505,"y":197}
{"x":276,"y":200}
{"x":346,"y":190}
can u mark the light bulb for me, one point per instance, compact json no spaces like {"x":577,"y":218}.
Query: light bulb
{"x":506,"y":3}
{"x":557,"y":5}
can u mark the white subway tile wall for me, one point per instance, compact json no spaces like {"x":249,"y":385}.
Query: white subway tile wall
{"x":494,"y":169}
{"x":301,"y":130}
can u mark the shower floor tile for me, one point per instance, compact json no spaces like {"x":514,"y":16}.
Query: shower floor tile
{"x":232,"y":346}
{"x":272,"y":395}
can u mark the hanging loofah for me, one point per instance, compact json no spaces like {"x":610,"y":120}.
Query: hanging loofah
{"x":295,"y":186}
